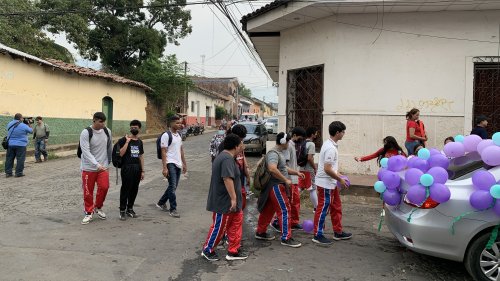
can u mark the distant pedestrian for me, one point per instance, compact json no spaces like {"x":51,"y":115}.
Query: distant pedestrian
{"x":41,"y":136}
{"x":448,"y":140}
{"x":97,"y":146}
{"x":225,"y":201}
{"x":480,"y":128}
{"x":390,"y":148}
{"x":173,"y":161}
{"x":327,"y":180}
{"x":415,"y":131}
{"x":132,"y":170}
{"x":275,"y":196}
{"x":17,"y":135}
{"x":310,"y":167}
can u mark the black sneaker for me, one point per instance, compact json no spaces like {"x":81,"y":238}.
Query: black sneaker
{"x":123,"y":216}
{"x":342,"y":236}
{"x":20,"y":175}
{"x":162,"y":207}
{"x":275,"y":225}
{"x":8,"y":175}
{"x":240,"y":255}
{"x":210,"y":256}
{"x":297,"y":227}
{"x":322,"y":240}
{"x":291,"y":243}
{"x":264,"y":236}
{"x":131,"y":213}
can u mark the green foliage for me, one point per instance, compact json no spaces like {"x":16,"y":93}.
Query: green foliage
{"x":166,"y":77}
{"x":244,"y":91}
{"x":24,"y":33}
{"x":169,"y":114}
{"x":220,"y":112}
{"x":122,"y":35}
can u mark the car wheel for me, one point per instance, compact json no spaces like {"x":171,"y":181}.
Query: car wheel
{"x":481,"y":263}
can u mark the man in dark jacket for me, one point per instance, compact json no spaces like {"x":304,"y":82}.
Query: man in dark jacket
{"x":480,"y":129}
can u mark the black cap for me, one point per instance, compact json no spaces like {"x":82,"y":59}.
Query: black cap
{"x":480,"y":118}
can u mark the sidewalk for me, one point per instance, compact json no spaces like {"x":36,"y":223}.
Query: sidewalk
{"x":361,"y":185}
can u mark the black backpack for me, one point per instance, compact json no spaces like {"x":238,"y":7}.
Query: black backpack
{"x":158,"y":143}
{"x":115,"y":155}
{"x":91,"y":133}
{"x":301,"y":151}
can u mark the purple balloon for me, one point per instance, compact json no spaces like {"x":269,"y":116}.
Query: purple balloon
{"x":491,"y":155}
{"x":392,"y":197}
{"x":439,"y":160}
{"x":439,"y":174}
{"x":416,"y":194}
{"x":496,"y":208}
{"x":391,"y":180}
{"x":483,"y":180}
{"x":421,"y":164}
{"x":471,"y":142}
{"x":411,"y":162}
{"x":434,"y":151}
{"x":454,"y":149}
{"x":481,"y":199}
{"x":396,"y":163}
{"x":308,"y":226}
{"x":440,"y":193}
{"x":347,"y":181}
{"x":412,"y":176}
{"x":380,"y":173}
{"x":484,"y":144}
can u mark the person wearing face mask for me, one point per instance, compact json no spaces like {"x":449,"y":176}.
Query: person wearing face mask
{"x":132,"y":170}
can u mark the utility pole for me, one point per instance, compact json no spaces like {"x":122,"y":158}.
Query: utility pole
{"x":203,"y":65}
{"x":185,"y":88}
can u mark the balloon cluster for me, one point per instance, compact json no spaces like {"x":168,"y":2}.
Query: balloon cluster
{"x":489,"y":149}
{"x":486,"y":192}
{"x":389,"y":180}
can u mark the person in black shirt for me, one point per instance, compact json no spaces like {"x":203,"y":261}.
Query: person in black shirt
{"x":480,"y":129}
{"x":132,"y":170}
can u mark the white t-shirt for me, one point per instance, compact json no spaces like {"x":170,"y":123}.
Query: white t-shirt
{"x":328,"y":155}
{"x":174,"y":150}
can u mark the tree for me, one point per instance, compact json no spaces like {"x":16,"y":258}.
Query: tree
{"x":244,"y":91}
{"x":122,"y":33}
{"x":166,"y":77}
{"x":220,"y":112}
{"x":21,"y":32}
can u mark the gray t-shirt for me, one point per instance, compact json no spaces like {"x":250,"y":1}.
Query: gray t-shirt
{"x":41,"y":131}
{"x":219,"y":201}
{"x":310,"y":150}
{"x":291,"y":161}
{"x":98,"y":151}
{"x":276,"y":156}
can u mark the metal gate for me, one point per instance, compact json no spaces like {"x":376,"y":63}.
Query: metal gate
{"x":304,"y":99}
{"x":487,"y":92}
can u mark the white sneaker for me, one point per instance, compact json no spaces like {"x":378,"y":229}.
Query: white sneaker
{"x":87,"y":219}
{"x":100,"y":213}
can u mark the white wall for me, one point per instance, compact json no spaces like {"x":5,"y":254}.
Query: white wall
{"x":201,"y":101}
{"x":370,"y":83}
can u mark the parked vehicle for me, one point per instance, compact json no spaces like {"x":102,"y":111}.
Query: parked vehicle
{"x":249,"y":117}
{"x":189,"y":130}
{"x":429,"y":230}
{"x":256,"y":138}
{"x":272,"y":125}
{"x":196,"y":130}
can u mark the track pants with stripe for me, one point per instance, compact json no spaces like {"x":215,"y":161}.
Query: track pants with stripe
{"x":328,"y":201}
{"x":294,"y":206}
{"x":230,"y":224}
{"x":89,"y":179}
{"x":278,"y":203}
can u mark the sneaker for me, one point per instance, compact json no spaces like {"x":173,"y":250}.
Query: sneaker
{"x":275,"y":225}
{"x":18,"y":176}
{"x":174,"y":214}
{"x":123,"y":216}
{"x":87,"y":218}
{"x":250,"y":193}
{"x":291,"y":243}
{"x":322,"y":240}
{"x":342,"y":236}
{"x":264,"y":236}
{"x":100,"y":213}
{"x":131,"y":213}
{"x":38,"y":161}
{"x":8,"y":175}
{"x":210,"y":256}
{"x":297,"y":227}
{"x":162,"y":207}
{"x":236,"y":256}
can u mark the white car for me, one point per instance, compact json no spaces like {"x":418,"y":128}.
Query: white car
{"x":272,"y":125}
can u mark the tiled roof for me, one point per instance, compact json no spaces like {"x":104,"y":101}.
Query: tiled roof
{"x":263,"y":10}
{"x":16,"y":53}
{"x":212,"y":93}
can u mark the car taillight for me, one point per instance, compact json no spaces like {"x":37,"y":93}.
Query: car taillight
{"x":428,"y":204}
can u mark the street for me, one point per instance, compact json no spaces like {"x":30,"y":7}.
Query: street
{"x":41,"y":236}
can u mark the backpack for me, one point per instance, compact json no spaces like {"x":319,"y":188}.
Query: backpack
{"x":261,"y":177}
{"x":301,"y":151}
{"x":115,"y":155}
{"x":91,"y":133}
{"x":158,"y":143}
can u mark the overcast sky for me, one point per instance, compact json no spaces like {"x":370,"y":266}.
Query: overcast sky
{"x":225,"y":55}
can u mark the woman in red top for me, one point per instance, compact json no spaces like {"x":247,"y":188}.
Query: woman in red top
{"x":391,"y":148}
{"x":415,"y":131}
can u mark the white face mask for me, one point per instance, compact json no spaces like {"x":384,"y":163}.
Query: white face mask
{"x":220,"y":132}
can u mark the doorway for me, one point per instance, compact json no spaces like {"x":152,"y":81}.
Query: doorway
{"x":107,"y":109}
{"x":487,"y":94}
{"x":208,"y":120}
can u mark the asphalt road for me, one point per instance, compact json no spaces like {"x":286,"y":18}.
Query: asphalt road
{"x":41,"y":237}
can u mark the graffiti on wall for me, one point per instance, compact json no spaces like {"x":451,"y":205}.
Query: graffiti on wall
{"x":430,"y":105}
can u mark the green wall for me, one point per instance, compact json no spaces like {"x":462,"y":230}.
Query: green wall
{"x":67,"y":130}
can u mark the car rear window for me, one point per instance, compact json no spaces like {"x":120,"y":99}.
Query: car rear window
{"x":461,"y":166}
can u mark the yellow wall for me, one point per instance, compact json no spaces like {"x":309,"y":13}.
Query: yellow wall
{"x":34,"y":90}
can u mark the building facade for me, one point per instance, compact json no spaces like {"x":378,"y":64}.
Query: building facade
{"x":201,"y":106}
